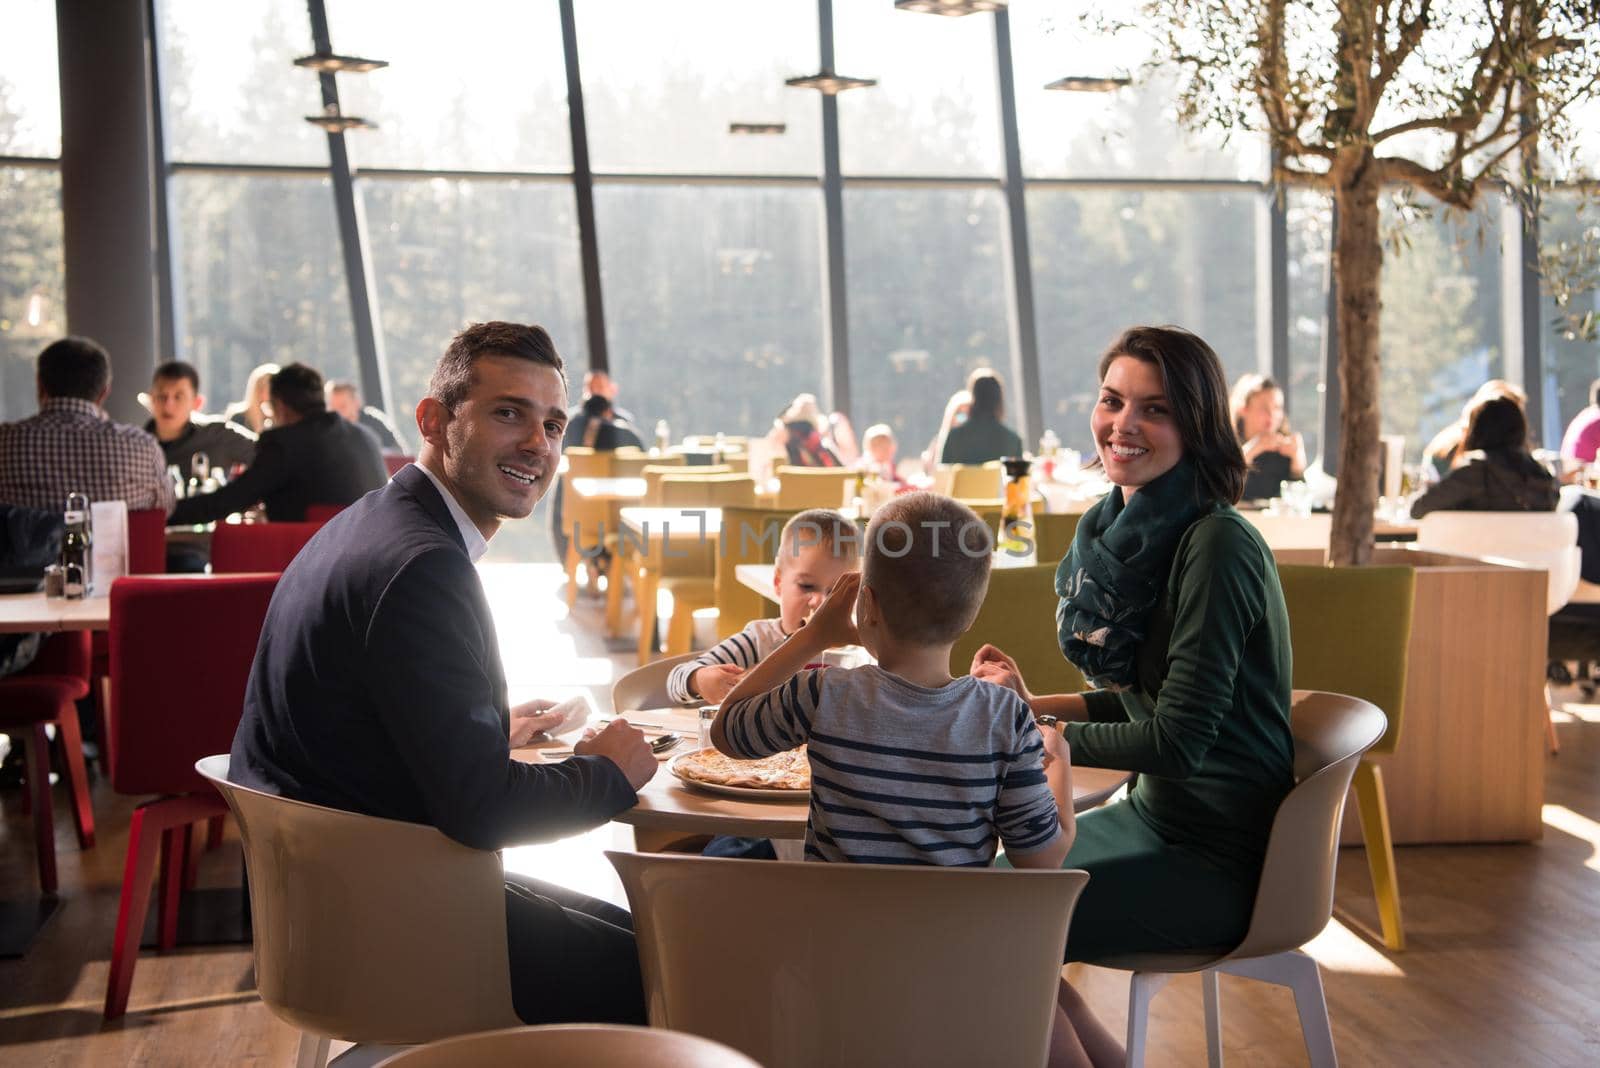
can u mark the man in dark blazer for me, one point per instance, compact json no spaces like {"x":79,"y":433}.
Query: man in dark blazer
{"x":377,"y":685}
{"x":309,"y":456}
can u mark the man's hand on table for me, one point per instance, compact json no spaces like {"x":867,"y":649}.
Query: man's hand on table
{"x":532,"y":718}
{"x":623,"y":744}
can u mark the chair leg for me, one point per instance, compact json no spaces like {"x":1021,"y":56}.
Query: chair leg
{"x":1373,"y":806}
{"x":1299,"y":972}
{"x":191,"y":855}
{"x":313,"y":1052}
{"x":1211,"y":995}
{"x":1142,"y":989}
{"x":1550,"y":739}
{"x":38,"y":794}
{"x":174,"y":854}
{"x":572,"y":574}
{"x":104,"y":706}
{"x":680,"y":629}
{"x":645,"y":594}
{"x":150,"y":822}
{"x":77,"y":775}
{"x":214,"y":833}
{"x":615,"y":569}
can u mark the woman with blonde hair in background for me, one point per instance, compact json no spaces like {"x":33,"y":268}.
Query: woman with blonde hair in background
{"x":251,"y":411}
{"x":1275,"y":453}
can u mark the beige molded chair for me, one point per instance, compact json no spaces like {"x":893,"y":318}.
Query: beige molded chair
{"x":629,"y":462}
{"x":1018,"y":616}
{"x":868,"y":964}
{"x":645,"y":687}
{"x":1295,"y":896}
{"x":572,"y":1046}
{"x":1350,"y":632}
{"x":968,"y":481}
{"x":1053,"y":533}
{"x":812,"y":487}
{"x":369,"y":930}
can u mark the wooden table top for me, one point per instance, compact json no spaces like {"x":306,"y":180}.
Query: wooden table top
{"x":757,"y":577}
{"x":677,"y":524}
{"x":667,"y":804}
{"x":610,"y":489}
{"x":26,"y":613}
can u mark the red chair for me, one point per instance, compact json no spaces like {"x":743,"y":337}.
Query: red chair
{"x":394,"y":462}
{"x":181,"y":650}
{"x":244,"y":547}
{"x":47,"y":693}
{"x":147,"y":542}
{"x":321,"y":513}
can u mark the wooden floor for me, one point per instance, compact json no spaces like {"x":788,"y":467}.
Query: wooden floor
{"x":1503,"y":969}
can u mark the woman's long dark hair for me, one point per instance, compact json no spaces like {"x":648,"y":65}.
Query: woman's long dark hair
{"x":1497,"y":424}
{"x":988,"y":398}
{"x":1192,"y":379}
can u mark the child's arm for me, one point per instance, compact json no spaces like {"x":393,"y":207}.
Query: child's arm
{"x":708,"y":677}
{"x":1057,"y":766}
{"x":831,"y":625}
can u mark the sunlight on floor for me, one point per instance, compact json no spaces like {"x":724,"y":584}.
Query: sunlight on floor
{"x":1579,"y":826}
{"x":1338,"y":949}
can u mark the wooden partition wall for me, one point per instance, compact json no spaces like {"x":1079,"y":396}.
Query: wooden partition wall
{"x":1470,"y":764}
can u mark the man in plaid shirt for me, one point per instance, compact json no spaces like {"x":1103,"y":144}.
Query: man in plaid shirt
{"x":72,"y":446}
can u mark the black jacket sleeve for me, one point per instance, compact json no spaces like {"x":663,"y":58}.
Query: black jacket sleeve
{"x":429,"y":674}
{"x":269,"y":471}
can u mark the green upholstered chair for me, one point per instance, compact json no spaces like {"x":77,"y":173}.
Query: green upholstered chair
{"x":750,"y":536}
{"x":1350,"y":628}
{"x":1019,"y":616}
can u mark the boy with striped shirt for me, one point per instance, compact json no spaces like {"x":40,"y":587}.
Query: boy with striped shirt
{"x":908,"y":766}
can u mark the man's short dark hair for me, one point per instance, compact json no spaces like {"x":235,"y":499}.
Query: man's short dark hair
{"x":74,"y":367}
{"x":298,"y":388}
{"x":452,"y":377}
{"x":173,"y":370}
{"x":927,"y":564}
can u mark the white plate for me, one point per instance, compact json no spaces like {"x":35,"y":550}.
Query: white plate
{"x":749,"y":792}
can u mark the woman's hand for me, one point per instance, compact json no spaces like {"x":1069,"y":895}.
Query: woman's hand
{"x":833,"y":623}
{"x":989,"y":664}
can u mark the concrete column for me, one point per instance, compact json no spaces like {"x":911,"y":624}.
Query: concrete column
{"x":108,"y":189}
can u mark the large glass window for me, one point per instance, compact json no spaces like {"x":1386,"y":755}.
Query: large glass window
{"x":474,"y":85}
{"x":1572,"y":363}
{"x":659,"y":96}
{"x":30,"y":95}
{"x":936,"y":107}
{"x":1130,"y":132}
{"x":1440,"y":333}
{"x":927,"y":304}
{"x":446,"y":253}
{"x":712,"y":301}
{"x":261,"y":279}
{"x":232,"y":92}
{"x":1308,"y":218}
{"x":1107,"y":259}
{"x":32,"y":286}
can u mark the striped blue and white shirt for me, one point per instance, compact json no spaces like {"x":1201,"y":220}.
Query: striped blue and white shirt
{"x":746,"y":649}
{"x":904,"y":774}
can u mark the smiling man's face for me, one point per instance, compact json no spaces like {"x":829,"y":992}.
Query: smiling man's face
{"x":502,"y":443}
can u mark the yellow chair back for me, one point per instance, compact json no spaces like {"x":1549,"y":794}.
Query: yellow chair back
{"x":812,"y":487}
{"x":749,"y":536}
{"x":1019,"y":617}
{"x":1349,"y":631}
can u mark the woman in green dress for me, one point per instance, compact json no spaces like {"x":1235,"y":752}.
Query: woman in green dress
{"x":1171,"y":608}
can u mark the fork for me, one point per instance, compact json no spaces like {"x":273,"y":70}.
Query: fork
{"x":665,"y":743}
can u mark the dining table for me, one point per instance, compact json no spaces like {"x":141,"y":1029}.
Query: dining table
{"x":28,"y":613}
{"x":669,"y":806}
{"x":609,"y":489}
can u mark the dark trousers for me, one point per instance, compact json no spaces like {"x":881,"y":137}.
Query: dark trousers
{"x":573,"y":957}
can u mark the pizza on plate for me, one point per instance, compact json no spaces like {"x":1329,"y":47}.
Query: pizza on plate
{"x":782,"y":771}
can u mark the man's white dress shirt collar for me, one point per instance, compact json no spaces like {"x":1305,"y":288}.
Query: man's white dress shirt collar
{"x":471,"y":536}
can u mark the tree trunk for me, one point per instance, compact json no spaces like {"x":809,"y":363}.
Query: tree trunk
{"x":1358,"y":267}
